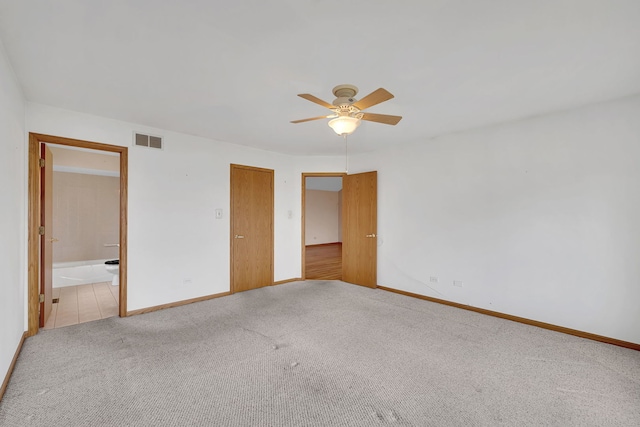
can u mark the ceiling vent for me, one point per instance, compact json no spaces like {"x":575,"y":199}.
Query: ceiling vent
{"x":142,"y":140}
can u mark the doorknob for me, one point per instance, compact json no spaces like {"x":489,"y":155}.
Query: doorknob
{"x":370,"y":235}
{"x":237,"y":236}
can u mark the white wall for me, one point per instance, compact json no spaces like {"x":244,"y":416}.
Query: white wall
{"x":86,"y":214}
{"x":12,"y":214}
{"x":538,"y":218}
{"x":173,"y":194}
{"x":322,"y":216}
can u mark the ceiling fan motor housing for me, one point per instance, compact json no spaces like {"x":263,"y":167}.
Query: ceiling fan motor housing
{"x":345,"y":95}
{"x":343,"y":101}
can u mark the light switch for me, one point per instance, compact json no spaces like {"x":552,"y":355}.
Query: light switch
{"x":218,"y":213}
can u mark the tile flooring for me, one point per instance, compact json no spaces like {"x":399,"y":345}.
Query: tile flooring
{"x":83,"y":303}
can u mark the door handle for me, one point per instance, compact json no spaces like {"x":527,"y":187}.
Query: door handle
{"x":237,"y":236}
{"x":371,"y":235}
{"x":53,"y":240}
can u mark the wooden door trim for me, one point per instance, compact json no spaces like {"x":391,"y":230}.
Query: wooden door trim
{"x":33,"y":251}
{"x":233,"y":166}
{"x":303,"y":210}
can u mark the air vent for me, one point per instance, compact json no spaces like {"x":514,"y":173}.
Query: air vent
{"x":150,"y":141}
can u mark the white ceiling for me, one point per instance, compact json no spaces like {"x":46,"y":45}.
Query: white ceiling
{"x":231,"y":70}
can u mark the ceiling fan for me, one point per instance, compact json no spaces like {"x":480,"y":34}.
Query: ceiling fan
{"x":348,"y":111}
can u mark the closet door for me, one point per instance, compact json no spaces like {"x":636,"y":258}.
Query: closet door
{"x":251,"y":228}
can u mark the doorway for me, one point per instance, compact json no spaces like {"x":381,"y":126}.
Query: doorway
{"x":40,"y":293}
{"x":359,"y":227}
{"x":322,"y":199}
{"x":85,"y":226}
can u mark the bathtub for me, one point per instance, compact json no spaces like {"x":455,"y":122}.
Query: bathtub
{"x":80,"y":273}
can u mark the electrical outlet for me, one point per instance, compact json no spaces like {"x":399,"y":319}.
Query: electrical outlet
{"x":433,"y":279}
{"x":457,"y":283}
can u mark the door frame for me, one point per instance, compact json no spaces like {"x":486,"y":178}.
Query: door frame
{"x":233,"y":166}
{"x":34,"y":209}
{"x":46,"y":240}
{"x":303,"y":210}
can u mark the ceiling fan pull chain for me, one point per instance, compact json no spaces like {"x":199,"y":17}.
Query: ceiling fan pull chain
{"x":346,"y":155}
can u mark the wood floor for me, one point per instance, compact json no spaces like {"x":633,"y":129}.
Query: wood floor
{"x":323,"y":262}
{"x":83,"y":303}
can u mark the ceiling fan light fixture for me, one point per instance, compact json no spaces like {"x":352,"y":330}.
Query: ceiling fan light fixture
{"x":344,"y":125}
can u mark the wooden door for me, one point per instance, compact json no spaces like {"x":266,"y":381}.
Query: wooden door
{"x":251,"y":228}
{"x":360,"y":220}
{"x":46,"y":239}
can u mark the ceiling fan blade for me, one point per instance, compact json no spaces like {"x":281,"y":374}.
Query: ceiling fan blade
{"x":375,"y":97}
{"x":381,"y":118}
{"x":317,"y":100}
{"x":310,"y":119}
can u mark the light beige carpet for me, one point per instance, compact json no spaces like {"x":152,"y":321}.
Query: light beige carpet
{"x":319,"y":353}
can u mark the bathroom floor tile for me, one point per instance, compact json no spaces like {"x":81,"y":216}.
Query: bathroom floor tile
{"x":83,"y":303}
{"x":88,"y":314}
{"x":106,"y":301}
{"x":51,"y":322}
{"x":115,"y":291}
{"x":87,"y":305}
{"x":66,"y":320}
